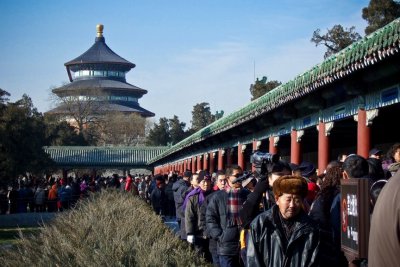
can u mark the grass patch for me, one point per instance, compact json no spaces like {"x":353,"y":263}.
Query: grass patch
{"x":11,"y":235}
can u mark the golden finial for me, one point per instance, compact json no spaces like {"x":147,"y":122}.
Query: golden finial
{"x":99,"y":28}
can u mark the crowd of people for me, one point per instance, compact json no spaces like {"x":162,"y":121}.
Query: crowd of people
{"x":282,"y":214}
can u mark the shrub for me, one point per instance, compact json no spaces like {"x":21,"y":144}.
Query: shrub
{"x":108,"y":229}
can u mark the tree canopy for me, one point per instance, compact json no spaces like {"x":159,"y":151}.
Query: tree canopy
{"x":117,"y":128}
{"x":379,"y":13}
{"x":61,"y":133}
{"x":260,"y":87}
{"x":172,"y":131}
{"x":336,"y":38}
{"x":159,"y":135}
{"x":22,"y":137}
{"x":201,"y":116}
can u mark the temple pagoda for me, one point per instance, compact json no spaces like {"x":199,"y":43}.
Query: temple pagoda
{"x":98,"y":75}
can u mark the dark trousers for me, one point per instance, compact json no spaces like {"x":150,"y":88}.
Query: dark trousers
{"x":202,"y":247}
{"x":229,"y":261}
{"x":212,"y":247}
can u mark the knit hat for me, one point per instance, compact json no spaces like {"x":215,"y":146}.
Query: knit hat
{"x":375,"y":151}
{"x":187,"y":173}
{"x":290,"y":185}
{"x":307,"y":169}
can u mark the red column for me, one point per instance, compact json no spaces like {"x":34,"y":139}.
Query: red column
{"x":363,"y":134}
{"x":199,"y":160}
{"x":323,"y":147}
{"x":272,"y":148}
{"x":295,"y":156}
{"x":205,"y":161}
{"x":189,"y":164}
{"x":221,"y":159}
{"x":211,"y":155}
{"x":229,"y":157}
{"x":241,"y":156}
{"x":194,"y":164}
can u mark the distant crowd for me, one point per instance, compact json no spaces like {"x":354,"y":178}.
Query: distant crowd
{"x":281,"y":214}
{"x":56,"y":194}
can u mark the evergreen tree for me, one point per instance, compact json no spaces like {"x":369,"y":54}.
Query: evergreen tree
{"x":3,"y":98}
{"x":22,"y":131}
{"x":379,"y":13}
{"x":61,"y":133}
{"x":176,"y":129}
{"x":201,"y":116}
{"x":260,"y":87}
{"x":159,"y":135}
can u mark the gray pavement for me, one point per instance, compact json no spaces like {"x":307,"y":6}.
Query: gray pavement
{"x":30,"y":219}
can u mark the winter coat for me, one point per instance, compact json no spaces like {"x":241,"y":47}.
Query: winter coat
{"x":40,"y":196}
{"x":179,"y":189}
{"x":384,"y":240}
{"x":329,"y":224}
{"x":53,"y":192}
{"x":265,"y":243}
{"x":227,"y":235}
{"x":195,"y":223}
{"x":159,"y":201}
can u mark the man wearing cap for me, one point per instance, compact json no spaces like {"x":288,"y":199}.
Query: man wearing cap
{"x":284,"y":235}
{"x":308,"y":171}
{"x":375,"y":153}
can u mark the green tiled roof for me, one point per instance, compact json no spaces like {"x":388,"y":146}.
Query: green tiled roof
{"x":103,"y":156}
{"x":371,"y":49}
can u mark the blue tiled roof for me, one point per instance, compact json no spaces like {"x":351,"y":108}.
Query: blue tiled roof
{"x":100,"y":53}
{"x":100,"y":84}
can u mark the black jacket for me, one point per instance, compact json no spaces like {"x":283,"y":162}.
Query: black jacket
{"x":195,"y":223}
{"x":218,"y":228}
{"x":265,"y":244}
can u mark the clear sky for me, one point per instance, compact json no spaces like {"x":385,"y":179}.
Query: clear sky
{"x":186,"y":52}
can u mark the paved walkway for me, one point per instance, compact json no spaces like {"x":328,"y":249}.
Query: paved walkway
{"x":25,"y":219}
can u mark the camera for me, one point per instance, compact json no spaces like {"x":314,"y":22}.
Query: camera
{"x":242,"y":177}
{"x":261,"y":160}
